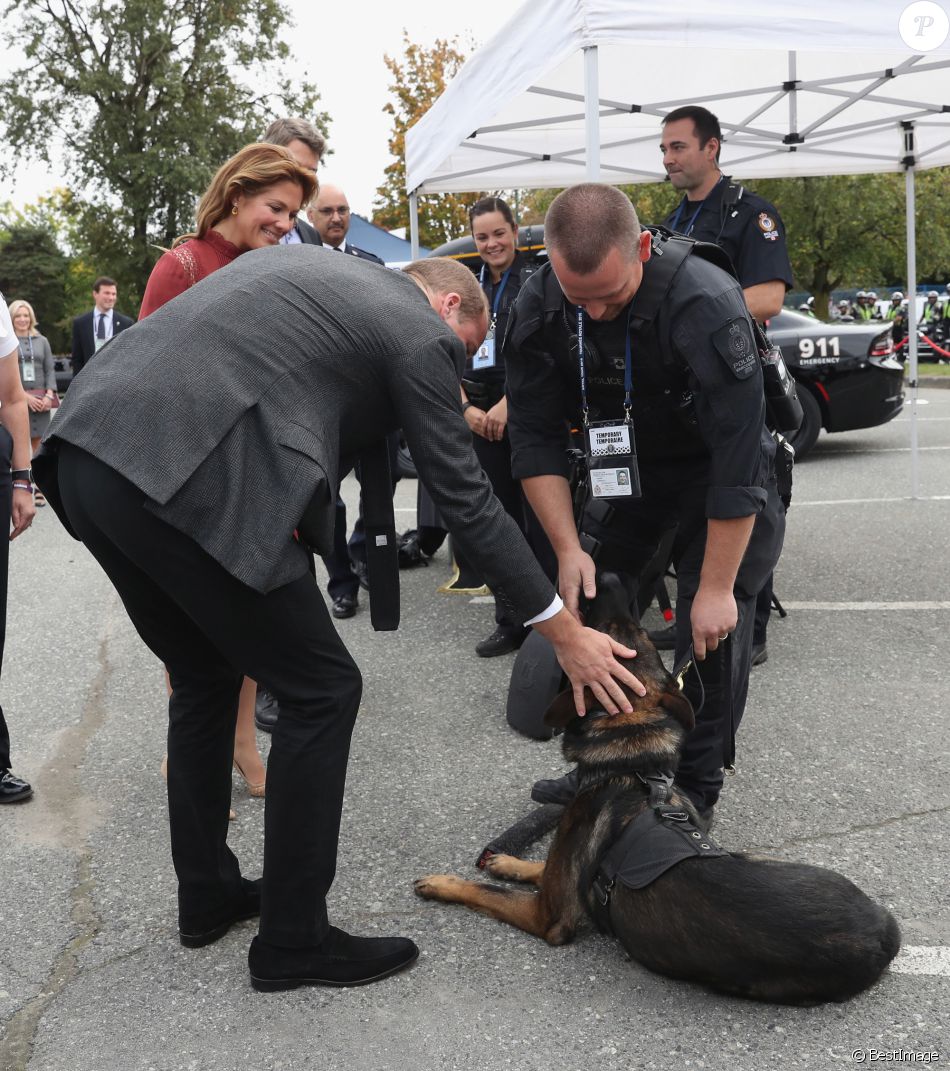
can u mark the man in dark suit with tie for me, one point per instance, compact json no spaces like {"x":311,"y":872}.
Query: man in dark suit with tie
{"x":231,"y":413}
{"x":307,"y":145}
{"x":92,"y":330}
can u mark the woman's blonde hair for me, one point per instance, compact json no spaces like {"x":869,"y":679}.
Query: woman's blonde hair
{"x":253,"y":169}
{"x":15,"y":307}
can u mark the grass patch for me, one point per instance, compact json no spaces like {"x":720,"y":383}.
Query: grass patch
{"x":928,"y":369}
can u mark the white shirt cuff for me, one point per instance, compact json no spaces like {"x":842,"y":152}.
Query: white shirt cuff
{"x":553,"y":609}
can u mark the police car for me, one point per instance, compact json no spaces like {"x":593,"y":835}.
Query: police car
{"x":847,"y":375}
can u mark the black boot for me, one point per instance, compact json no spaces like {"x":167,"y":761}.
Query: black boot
{"x":560,"y":790}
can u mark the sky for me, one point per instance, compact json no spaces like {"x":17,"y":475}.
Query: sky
{"x":351,"y":77}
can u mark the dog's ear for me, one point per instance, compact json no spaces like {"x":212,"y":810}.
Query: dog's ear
{"x":675,"y":703}
{"x":562,"y":708}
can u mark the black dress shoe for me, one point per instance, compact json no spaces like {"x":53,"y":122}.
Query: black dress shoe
{"x":664,"y":639}
{"x":200,"y":930}
{"x":265,"y":710}
{"x":339,"y":960}
{"x":501,"y":641}
{"x":13,"y":789}
{"x":345,"y":605}
{"x":362,"y":573}
{"x":760,"y":654}
{"x":557,"y":789}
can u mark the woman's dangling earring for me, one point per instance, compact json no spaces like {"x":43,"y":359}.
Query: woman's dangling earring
{"x":233,"y":210}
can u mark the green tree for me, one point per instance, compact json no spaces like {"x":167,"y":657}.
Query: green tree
{"x":148,"y":98}
{"x":33,"y":268}
{"x":418,"y":81}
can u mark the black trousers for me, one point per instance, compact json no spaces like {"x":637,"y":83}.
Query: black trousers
{"x":495,"y":459}
{"x":628,"y":544}
{"x":211,"y":630}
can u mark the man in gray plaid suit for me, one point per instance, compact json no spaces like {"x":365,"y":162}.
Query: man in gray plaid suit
{"x":186,"y":456}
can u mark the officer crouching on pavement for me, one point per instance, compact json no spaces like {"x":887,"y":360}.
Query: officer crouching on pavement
{"x":669,"y":395}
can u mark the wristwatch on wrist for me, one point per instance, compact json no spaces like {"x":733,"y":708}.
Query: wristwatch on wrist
{"x":25,"y":475}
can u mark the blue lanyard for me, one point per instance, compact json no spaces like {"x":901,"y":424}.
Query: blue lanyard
{"x":29,"y":339}
{"x":674,"y":225}
{"x":496,"y":301}
{"x":627,"y":367}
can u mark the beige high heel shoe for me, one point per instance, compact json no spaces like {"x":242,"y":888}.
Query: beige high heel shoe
{"x":164,"y":772}
{"x":254,"y":788}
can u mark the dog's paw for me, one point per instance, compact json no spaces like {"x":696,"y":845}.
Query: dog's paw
{"x":439,"y":887}
{"x":510,"y":868}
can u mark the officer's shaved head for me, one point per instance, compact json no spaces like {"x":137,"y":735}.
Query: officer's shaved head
{"x":586,"y":221}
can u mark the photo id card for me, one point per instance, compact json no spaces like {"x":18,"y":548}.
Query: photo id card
{"x":485,"y":354}
{"x":611,"y":483}
{"x":612,"y":460}
{"x":29,"y":371}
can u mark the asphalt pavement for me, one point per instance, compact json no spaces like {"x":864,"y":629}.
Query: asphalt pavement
{"x":843,"y":762}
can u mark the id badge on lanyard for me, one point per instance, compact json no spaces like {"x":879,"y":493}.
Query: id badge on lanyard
{"x":29,"y":365}
{"x":612,"y":460}
{"x":485,"y":355}
{"x":610,"y":445}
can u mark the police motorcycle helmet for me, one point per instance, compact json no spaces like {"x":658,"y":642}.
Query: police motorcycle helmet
{"x":897,"y":296}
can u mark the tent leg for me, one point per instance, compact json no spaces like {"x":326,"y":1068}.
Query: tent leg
{"x":414,"y":224}
{"x":592,"y":113}
{"x":911,"y":213}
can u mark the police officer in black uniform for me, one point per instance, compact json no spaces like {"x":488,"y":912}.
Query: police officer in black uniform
{"x":744,"y":225}
{"x":678,"y":354}
{"x":503,"y":273}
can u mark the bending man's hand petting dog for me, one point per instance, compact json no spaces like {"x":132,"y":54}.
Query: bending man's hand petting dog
{"x":589,"y":659}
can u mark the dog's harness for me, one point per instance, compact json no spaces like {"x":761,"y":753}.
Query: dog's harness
{"x":659,"y":837}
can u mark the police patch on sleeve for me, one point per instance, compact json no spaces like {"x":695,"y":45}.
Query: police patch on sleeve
{"x":736,"y":347}
{"x":767,"y":226}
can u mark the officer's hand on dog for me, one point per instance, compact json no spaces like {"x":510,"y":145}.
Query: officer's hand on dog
{"x":576,"y":572}
{"x":589,"y":659}
{"x":713,"y":617}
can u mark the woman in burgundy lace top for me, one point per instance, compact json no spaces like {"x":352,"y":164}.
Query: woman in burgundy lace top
{"x":252,"y":203}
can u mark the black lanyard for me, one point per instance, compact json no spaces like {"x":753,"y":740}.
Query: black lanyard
{"x":674,"y":225}
{"x":627,"y":366}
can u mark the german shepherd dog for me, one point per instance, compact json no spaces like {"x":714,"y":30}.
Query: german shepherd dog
{"x":768,"y":930}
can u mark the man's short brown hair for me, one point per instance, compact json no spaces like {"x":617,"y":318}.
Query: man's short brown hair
{"x":586,"y":221}
{"x":284,"y":131}
{"x":440,"y":275}
{"x":102,"y":281}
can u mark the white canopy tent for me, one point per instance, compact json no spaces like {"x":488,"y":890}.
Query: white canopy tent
{"x":570,"y":90}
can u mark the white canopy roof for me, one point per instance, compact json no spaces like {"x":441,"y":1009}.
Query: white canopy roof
{"x":812,"y":87}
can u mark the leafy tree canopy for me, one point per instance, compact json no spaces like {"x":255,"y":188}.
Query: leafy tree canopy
{"x":147,"y":98}
{"x":419,"y":78}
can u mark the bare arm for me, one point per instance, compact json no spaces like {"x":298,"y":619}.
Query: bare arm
{"x":14,"y":416}
{"x":714,"y":612}
{"x":550,"y":498}
{"x":765,"y":299}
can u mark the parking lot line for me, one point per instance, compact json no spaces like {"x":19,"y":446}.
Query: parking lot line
{"x":874,"y":606}
{"x":922,"y":959}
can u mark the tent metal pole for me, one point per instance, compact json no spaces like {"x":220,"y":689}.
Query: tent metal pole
{"x":414,"y":225}
{"x":592,"y":113}
{"x":910,"y":199}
